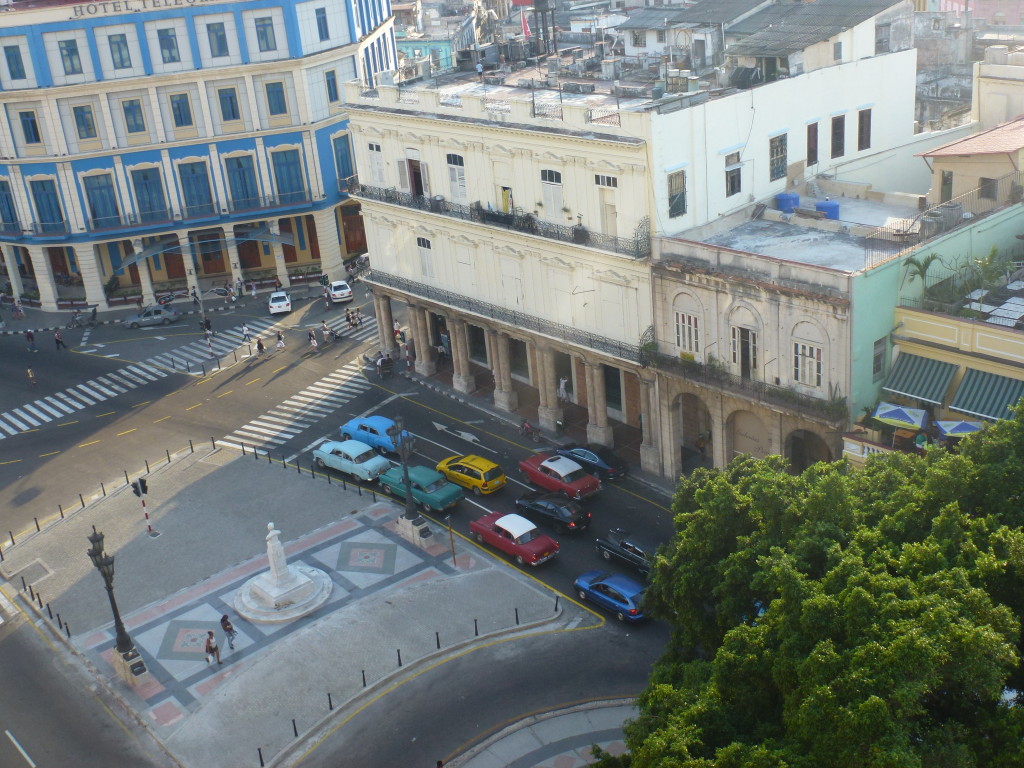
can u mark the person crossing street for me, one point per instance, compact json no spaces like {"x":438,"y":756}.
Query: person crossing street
{"x":245,"y":332}
{"x":312,"y":339}
{"x":58,"y":339}
{"x":280,"y":340}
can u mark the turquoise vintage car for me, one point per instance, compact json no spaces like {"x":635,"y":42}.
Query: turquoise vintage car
{"x":429,"y":488}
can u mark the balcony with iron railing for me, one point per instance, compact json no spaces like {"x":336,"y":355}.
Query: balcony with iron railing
{"x":636,"y":247}
{"x":510,"y":317}
{"x":10,"y":227}
{"x":714,"y":375}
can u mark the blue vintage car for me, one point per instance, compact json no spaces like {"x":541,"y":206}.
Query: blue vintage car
{"x":374,"y":431}
{"x":351,"y":457}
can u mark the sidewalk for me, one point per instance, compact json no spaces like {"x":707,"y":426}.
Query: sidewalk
{"x":393,"y":607}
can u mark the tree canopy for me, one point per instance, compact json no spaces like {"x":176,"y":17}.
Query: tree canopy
{"x":854,"y":619}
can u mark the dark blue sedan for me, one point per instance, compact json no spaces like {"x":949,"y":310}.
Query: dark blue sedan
{"x":597,"y":460}
{"x":618,"y":594}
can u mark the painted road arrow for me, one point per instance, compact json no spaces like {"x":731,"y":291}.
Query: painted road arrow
{"x":467,"y":436}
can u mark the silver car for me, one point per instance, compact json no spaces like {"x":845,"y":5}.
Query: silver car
{"x":152,"y":316}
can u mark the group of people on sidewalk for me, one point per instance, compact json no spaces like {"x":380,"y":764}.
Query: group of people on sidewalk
{"x":211,"y":648}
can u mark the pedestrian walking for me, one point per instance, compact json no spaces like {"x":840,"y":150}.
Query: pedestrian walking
{"x":312,"y":339}
{"x":212,"y":651}
{"x":280,"y":340}
{"x":245,"y":332}
{"x":138,"y":303}
{"x":238,"y":287}
{"x":252,"y":287}
{"x":18,"y":312}
{"x":277,"y":283}
{"x":30,"y":339}
{"x":230,"y":295}
{"x":260,"y":349}
{"x":563,"y":392}
{"x":58,"y":339}
{"x":359,"y":317}
{"x":31,"y":378}
{"x":480,"y":70}
{"x":348,"y":317}
{"x":195,"y":296}
{"x":208,"y":327}
{"x":229,"y":630}
{"x":325,"y":330}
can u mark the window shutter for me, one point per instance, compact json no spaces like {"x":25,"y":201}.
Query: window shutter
{"x":403,"y":175}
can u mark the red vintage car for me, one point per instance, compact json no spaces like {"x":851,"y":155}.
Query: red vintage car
{"x":559,"y":474}
{"x":515,"y":536}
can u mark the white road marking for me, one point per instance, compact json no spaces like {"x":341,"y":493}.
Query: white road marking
{"x":17,"y":746}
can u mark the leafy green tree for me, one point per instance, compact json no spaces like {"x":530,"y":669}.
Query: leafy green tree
{"x":842,"y":619}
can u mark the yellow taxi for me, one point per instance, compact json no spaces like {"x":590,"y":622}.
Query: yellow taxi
{"x":475,"y":473}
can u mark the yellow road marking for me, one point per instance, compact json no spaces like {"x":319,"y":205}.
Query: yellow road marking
{"x":83,"y":445}
{"x":126,"y":432}
{"x":144,"y":402}
{"x":51,"y":453}
{"x":225,"y":394}
{"x":279,"y":369}
{"x":68,"y":422}
{"x":252,"y":382}
{"x":101,"y":415}
{"x":26,"y":431}
{"x":165,"y":418}
{"x":12,"y":461}
{"x":193,"y":406}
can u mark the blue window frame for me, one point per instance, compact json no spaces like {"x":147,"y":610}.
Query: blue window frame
{"x":134,"y":120}
{"x":47,"y":201}
{"x":228,"y":98}
{"x":119,"y":52}
{"x":218,"y":39}
{"x":15,"y":64}
{"x":291,"y":187}
{"x":245,"y":193}
{"x":168,"y":40}
{"x":343,"y":157}
{"x":85,"y":125}
{"x":332,"y":85}
{"x":149,"y":195}
{"x":99,"y":193}
{"x":69,"y":57}
{"x":265,"y":38}
{"x":30,"y":127}
{"x":321,"y":24}
{"x":195,"y":189}
{"x":181,"y":110}
{"x":8,"y":213}
{"x":277,"y":104}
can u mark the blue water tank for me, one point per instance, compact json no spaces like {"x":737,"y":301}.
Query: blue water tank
{"x":829,"y":207}
{"x":787,"y":202}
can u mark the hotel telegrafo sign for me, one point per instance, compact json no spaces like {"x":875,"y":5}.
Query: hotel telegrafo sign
{"x":131,"y":6}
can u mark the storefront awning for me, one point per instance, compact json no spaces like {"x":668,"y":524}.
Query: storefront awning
{"x":920,"y":378}
{"x":987,"y":395}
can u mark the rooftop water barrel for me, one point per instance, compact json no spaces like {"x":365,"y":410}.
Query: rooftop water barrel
{"x":787,"y":202}
{"x":829,"y":207}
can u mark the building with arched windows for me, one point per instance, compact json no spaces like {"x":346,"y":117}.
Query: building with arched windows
{"x":151,"y":145}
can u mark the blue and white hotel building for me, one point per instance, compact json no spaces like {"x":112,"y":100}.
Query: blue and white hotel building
{"x":155,"y":144}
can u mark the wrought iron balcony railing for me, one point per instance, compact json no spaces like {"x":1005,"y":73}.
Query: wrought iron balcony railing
{"x":834,"y":410}
{"x":49,"y":227}
{"x":636,"y":247}
{"x":260,"y":202}
{"x":569,"y":334}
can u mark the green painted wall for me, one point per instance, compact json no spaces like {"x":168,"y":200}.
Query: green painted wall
{"x":877,"y":292}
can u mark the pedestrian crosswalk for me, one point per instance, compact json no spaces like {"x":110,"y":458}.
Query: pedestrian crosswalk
{"x":192,"y":357}
{"x":300,"y":411}
{"x":58,"y":406}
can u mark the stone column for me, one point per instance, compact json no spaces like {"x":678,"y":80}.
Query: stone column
{"x":598,"y":430}
{"x":718,"y":441}
{"x":462,"y":380}
{"x":44,"y":278}
{"x":88,"y":261}
{"x":650,"y":454}
{"x":505,"y":398}
{"x":277,"y":252}
{"x":426,"y":365}
{"x":550,"y":410}
{"x":385,"y":324}
{"x":188,"y":255}
{"x":332,"y":254}
{"x":234,"y":259}
{"x":10,"y":257}
{"x":492,"y":356}
{"x":146,"y":282}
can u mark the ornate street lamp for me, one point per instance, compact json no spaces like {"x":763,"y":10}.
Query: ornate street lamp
{"x":105,"y":565}
{"x":404,"y":444}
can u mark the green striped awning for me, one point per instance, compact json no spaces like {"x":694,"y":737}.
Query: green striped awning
{"x":920,"y":378}
{"x":987,"y":395}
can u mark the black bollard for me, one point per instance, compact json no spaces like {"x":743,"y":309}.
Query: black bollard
{"x":295,"y":728}
{"x":23,"y":585}
{"x":147,"y":466}
{"x":330,"y":704}
{"x":517,"y":617}
{"x":60,"y":508}
{"x":81,"y":500}
{"x":67,"y":630}
{"x":168,"y":452}
{"x":399,"y":656}
{"x":212,"y":444}
{"x":37,"y":520}
{"x":364,"y":678}
{"x":60,"y":624}
{"x":476,"y":629}
{"x":556,"y":603}
{"x":48,"y":610}
{"x":259,"y":751}
{"x":11,"y":534}
{"x":243,"y":448}
{"x":126,"y":480}
{"x":437,"y":639}
{"x":103,"y":488}
{"x":191,"y":448}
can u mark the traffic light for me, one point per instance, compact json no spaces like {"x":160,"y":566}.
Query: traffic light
{"x":140,"y":487}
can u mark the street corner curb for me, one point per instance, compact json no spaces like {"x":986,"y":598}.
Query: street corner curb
{"x":286,"y":757}
{"x":532,"y":720}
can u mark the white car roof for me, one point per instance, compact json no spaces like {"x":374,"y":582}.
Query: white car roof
{"x":278,"y":295}
{"x":561,"y":465}
{"x":517,"y":525}
{"x":339,"y":284}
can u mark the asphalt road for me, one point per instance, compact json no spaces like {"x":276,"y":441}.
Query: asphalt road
{"x":52,"y":715}
{"x":448,"y":708}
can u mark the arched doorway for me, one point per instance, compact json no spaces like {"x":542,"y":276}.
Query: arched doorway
{"x":804,"y":448}
{"x":746,"y":434}
{"x":691,"y":426}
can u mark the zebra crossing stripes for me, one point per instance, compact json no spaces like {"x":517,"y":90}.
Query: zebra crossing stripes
{"x":304,"y":409}
{"x":60,"y":405}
